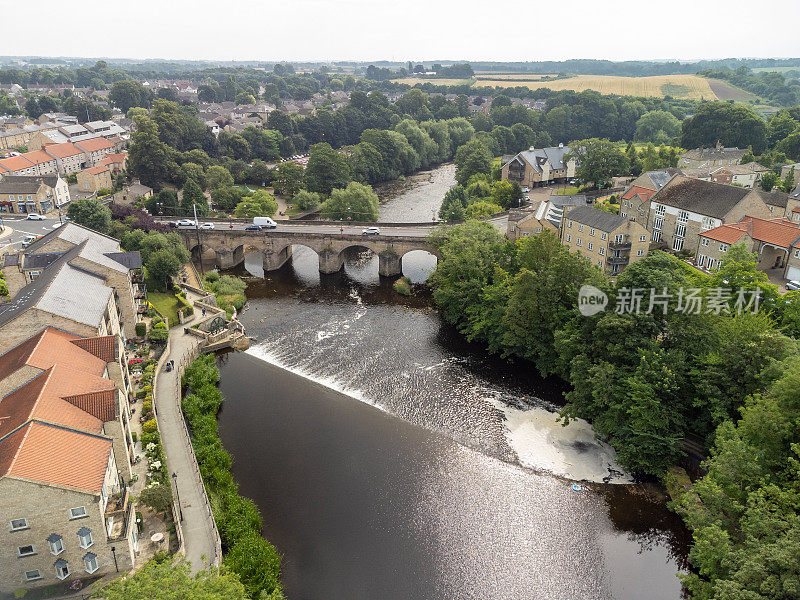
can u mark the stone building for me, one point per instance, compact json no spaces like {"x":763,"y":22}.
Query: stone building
{"x":95,"y":255}
{"x":708,"y":158}
{"x":609,"y":241}
{"x":686,"y":207}
{"x":776,"y":241}
{"x":21,"y":194}
{"x":64,"y":463}
{"x":533,"y":168}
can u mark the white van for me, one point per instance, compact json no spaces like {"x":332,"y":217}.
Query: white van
{"x":265,"y":222}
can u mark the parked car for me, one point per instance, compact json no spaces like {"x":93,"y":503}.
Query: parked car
{"x":525,"y":190}
{"x":793,"y":285}
{"x":207,"y":226}
{"x":265,"y":222}
{"x":370,"y":231}
{"x":35,"y":217}
{"x":28,"y":240}
{"x":253,"y":228}
{"x":185,"y":223}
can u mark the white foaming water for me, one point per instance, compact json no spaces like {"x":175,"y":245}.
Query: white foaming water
{"x":543,"y":443}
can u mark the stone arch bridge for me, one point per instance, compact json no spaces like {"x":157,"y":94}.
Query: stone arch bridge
{"x":230,"y":246}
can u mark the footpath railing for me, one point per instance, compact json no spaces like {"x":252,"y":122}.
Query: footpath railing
{"x":180,"y":366}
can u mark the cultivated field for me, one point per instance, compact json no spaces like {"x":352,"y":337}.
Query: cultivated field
{"x":726,"y":91}
{"x":677,"y":86}
{"x":512,"y":76}
{"x":421,"y":80}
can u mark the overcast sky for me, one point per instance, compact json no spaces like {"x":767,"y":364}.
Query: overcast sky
{"x":328,"y":30}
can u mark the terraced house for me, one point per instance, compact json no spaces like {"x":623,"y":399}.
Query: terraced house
{"x":64,"y":461}
{"x":610,"y":241}
{"x":685,"y":207}
{"x":26,"y":194}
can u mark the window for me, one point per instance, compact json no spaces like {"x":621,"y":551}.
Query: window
{"x":642,"y":238}
{"x":708,"y":223}
{"x":723,"y":247}
{"x":711,"y":263}
{"x":677,"y":244}
{"x":35,"y":274}
{"x":580,"y":227}
{"x":62,"y":569}
{"x":77,"y":512}
{"x":17,"y":524}
{"x":90,"y":562}
{"x":680,"y":230}
{"x":618,"y":238}
{"x":797,"y":253}
{"x":569,"y":224}
{"x":683,"y":216}
{"x":591,"y":231}
{"x":599,"y":263}
{"x":640,"y":253}
{"x":704,"y":241}
{"x":602,"y":251}
{"x":56,"y":544}
{"x":591,"y":246}
{"x":603,"y":236}
{"x":623,"y":214}
{"x":657,"y":222}
{"x":569,"y":238}
{"x":85,"y":536}
{"x":33,"y":575}
{"x":701,"y":260}
{"x":578,"y":242}
{"x":25,"y":550}
{"x":660,"y":209}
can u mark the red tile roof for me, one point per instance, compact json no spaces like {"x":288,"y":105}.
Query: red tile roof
{"x":103,"y":347}
{"x":51,"y":346}
{"x":16,"y":163}
{"x":114,"y":159}
{"x":96,"y":170}
{"x":56,"y":456}
{"x":779,"y":232}
{"x":643,"y":192}
{"x":38,"y":157}
{"x":64,"y":150}
{"x":94,"y":144}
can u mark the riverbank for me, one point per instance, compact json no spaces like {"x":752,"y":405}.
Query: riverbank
{"x":246,"y":552}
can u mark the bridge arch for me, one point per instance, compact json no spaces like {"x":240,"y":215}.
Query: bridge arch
{"x":418,"y":265}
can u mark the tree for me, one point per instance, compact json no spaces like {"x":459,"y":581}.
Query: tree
{"x":190,"y":170}
{"x":730,"y":124}
{"x":227,"y":197}
{"x":218,"y":176}
{"x":482,"y":209}
{"x":158,"y":497}
{"x":472,"y":158}
{"x":127,"y":94}
{"x":326,"y":169}
{"x":768,"y":181}
{"x":170,"y":579}
{"x":161,"y":266}
{"x":787,"y":185}
{"x":260,"y":204}
{"x":193,"y":198}
{"x":454,"y":204}
{"x":288,"y":178}
{"x":306,"y":200}
{"x":657,"y":126}
{"x":598,"y":160}
{"x":505,"y":195}
{"x":257,"y":564}
{"x":357,"y":202}
{"x":149,"y":158}
{"x":90,"y":213}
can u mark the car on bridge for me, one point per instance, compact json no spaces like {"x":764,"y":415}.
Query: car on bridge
{"x":370,"y":231}
{"x":185,"y":223}
{"x":207,"y":226}
{"x":253,"y":228}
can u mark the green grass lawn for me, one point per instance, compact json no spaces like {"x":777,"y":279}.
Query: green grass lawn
{"x":567,"y":191}
{"x":294,"y":211}
{"x":166,"y":304}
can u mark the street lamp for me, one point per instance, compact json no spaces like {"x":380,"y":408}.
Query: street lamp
{"x":180,"y":510}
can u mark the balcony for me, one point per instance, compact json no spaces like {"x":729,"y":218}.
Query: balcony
{"x":619,"y":245}
{"x":118,"y":515}
{"x":618,"y":260}
{"x":140,"y":291}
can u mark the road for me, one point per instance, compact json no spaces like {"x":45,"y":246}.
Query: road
{"x":22,"y":227}
{"x":385,"y":230}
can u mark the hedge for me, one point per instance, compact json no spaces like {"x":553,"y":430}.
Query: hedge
{"x":141,"y":329}
{"x":247,"y":554}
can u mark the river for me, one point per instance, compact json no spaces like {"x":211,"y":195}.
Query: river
{"x":393,"y":460}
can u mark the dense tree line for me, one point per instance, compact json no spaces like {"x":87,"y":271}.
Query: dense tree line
{"x":770,"y":85}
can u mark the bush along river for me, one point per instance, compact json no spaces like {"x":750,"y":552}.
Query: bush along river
{"x":392,"y":460}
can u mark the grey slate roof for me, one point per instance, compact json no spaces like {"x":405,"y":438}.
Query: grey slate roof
{"x":76,"y":294}
{"x":41,"y":260}
{"x":698,"y":196}
{"x":131,"y":260}
{"x":48,"y":180}
{"x":595,"y":218}
{"x":97,"y":248}
{"x":660,"y":178}
{"x":795,"y":195}
{"x":773,"y":198}
{"x":537,"y":157}
{"x":29,"y":295}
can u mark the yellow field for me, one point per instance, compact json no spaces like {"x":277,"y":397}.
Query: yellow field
{"x":677,"y":86}
{"x":502,"y":76}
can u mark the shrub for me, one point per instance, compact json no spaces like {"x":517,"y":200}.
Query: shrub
{"x":147,"y":406}
{"x":140,"y":394}
{"x":403,"y":286}
{"x":134,"y":436}
{"x":141,"y":329}
{"x":158,"y":335}
{"x":157,"y":497}
{"x":150,"y":426}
